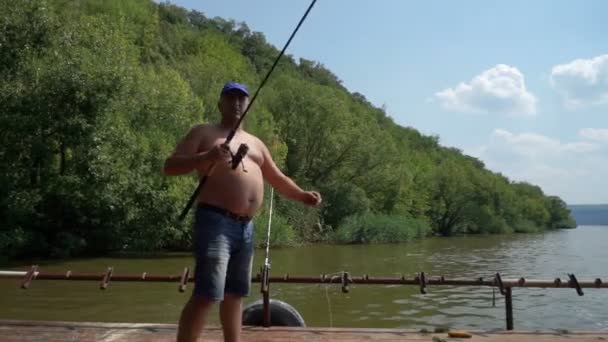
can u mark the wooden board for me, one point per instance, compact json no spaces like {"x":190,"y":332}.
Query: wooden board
{"x":139,"y":332}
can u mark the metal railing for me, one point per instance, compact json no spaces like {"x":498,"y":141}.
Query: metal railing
{"x":421,"y":280}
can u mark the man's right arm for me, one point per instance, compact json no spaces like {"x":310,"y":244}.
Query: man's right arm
{"x":186,"y":157}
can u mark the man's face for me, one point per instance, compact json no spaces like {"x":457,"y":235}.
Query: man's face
{"x":233,"y":103}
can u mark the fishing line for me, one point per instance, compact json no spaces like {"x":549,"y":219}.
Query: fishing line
{"x":266,"y":260}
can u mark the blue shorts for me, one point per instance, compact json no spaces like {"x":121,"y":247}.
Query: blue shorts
{"x":223,"y":248}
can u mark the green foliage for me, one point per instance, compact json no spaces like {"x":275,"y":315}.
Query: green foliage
{"x":373,"y":228}
{"x":526,"y":226}
{"x":559,"y":214}
{"x":282,"y":233}
{"x":344,"y":200}
{"x":452,"y":196}
{"x":303,"y":220}
{"x":95,"y":95}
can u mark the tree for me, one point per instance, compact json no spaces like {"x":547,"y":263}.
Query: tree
{"x":451,"y":196}
{"x":96,"y":93}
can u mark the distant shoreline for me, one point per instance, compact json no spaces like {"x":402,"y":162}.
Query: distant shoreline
{"x":589,"y":214}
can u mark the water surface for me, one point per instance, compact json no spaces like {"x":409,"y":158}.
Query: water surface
{"x":580,"y":251}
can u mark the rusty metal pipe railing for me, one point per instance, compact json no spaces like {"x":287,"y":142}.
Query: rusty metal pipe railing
{"x":363,"y":280}
{"x":509,"y":307}
{"x":354,"y":280}
{"x":345,"y":279}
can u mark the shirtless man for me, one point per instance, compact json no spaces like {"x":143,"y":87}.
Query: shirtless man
{"x":223,"y":229}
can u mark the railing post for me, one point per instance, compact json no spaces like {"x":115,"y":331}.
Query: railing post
{"x":509,"y":307}
{"x":265,"y":289}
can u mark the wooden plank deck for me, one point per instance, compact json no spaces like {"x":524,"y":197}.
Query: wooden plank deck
{"x":138,"y":332}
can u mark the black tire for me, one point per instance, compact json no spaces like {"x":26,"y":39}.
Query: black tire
{"x":281,"y":314}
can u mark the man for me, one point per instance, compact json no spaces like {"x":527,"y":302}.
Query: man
{"x":223,"y":229}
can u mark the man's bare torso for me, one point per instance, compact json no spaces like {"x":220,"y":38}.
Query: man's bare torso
{"x":240,"y":190}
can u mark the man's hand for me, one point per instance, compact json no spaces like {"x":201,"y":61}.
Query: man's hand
{"x":311,"y":198}
{"x":218,"y":153}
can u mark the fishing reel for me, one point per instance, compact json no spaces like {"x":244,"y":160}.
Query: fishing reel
{"x":237,"y":158}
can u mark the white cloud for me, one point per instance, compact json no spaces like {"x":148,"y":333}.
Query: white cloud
{"x":582,"y":81}
{"x":501,"y":89}
{"x":536,"y":145}
{"x":594,"y":134}
{"x":575,"y":170}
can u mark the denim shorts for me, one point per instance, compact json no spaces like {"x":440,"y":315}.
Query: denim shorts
{"x":223,"y":248}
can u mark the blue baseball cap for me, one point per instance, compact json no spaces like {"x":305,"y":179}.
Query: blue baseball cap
{"x":232,"y":86}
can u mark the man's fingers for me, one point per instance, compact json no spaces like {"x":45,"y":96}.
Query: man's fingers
{"x":225,"y":148}
{"x":316,"y":198}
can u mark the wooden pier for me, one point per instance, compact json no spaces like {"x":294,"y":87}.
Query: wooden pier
{"x":12,"y":331}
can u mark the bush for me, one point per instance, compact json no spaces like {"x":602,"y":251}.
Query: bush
{"x":525,"y":226}
{"x":374,"y":228}
{"x":343,"y":200}
{"x":281,"y":233}
{"x":303,"y":220}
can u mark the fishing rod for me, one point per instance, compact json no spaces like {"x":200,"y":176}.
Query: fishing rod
{"x":243,"y":148}
{"x":265,"y":276}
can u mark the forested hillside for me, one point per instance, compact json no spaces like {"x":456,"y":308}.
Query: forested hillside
{"x":95,"y":94}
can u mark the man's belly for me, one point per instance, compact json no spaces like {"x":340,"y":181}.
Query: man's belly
{"x":235,"y":190}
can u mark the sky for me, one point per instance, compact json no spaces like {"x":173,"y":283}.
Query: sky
{"x":521,"y":85}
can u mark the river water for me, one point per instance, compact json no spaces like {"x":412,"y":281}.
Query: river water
{"x":582,"y":251}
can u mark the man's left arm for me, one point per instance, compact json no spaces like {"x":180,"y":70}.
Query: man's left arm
{"x":285,"y":185}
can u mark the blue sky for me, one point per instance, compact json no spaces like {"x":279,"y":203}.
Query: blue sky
{"x":522,"y":85}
